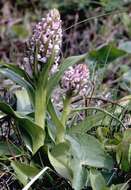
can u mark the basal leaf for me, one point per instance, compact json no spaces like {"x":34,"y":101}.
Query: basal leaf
{"x":59,"y":158}
{"x":23,"y":171}
{"x":80,"y":175}
{"x":17,"y":70}
{"x":32,"y":133}
{"x":88,"y":151}
{"x":19,"y":80}
{"x":56,"y":121}
{"x":23,"y":102}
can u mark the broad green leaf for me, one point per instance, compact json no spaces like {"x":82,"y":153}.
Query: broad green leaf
{"x":107,"y":53}
{"x":23,"y":102}
{"x":7,"y":149}
{"x":56,"y":121}
{"x":70,"y":61}
{"x":17,"y":70}
{"x":80,"y":175}
{"x":51,"y":129}
{"x":70,"y":160}
{"x":32,"y":133}
{"x":62,"y":160}
{"x":59,"y":157}
{"x":23,"y":171}
{"x":88,"y":151}
{"x":19,"y":80}
{"x":97,"y":180}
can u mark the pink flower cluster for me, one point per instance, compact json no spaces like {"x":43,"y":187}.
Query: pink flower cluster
{"x":47,"y":37}
{"x":75,"y":80}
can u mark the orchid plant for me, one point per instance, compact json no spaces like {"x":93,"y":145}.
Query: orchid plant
{"x":71,"y":149}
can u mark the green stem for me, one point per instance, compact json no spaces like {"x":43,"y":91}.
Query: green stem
{"x":66,"y":110}
{"x":40,"y":106}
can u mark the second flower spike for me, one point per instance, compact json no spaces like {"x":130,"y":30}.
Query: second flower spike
{"x":75,"y":80}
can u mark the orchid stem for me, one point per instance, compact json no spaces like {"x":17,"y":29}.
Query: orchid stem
{"x":66,"y":110}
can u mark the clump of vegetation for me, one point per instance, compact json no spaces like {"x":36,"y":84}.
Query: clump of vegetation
{"x":61,"y":126}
